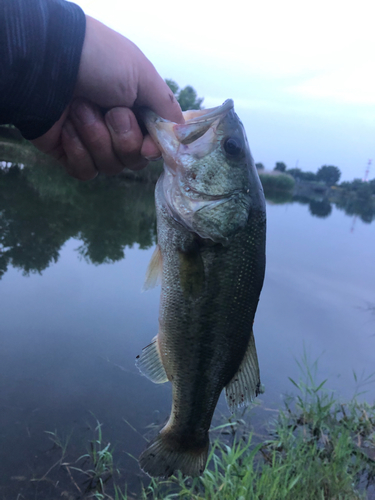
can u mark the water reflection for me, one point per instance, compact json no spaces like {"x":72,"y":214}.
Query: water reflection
{"x":68,"y":338}
{"x":41,"y":208}
{"x":360,"y":203}
{"x":364,"y":207}
{"x":320,"y":208}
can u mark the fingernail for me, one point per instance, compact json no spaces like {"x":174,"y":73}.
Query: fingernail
{"x":118,"y":120}
{"x":153,"y":158}
{"x":83,"y":112}
{"x":69,"y":129}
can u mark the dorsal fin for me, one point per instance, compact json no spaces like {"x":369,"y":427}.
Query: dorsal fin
{"x":154,"y":270}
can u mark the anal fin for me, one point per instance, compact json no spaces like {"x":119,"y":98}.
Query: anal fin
{"x":245,"y":385}
{"x":150,"y":364}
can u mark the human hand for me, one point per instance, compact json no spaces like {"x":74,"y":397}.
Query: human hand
{"x":99,"y":132}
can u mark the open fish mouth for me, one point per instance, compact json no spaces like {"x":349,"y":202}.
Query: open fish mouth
{"x":200,"y":115}
{"x":171,"y":136}
{"x":197,"y":122}
{"x":206,"y":183}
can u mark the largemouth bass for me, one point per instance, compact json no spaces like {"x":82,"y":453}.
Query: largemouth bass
{"x":210,"y":259}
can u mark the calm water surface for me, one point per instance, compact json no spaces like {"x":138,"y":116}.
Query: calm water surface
{"x":69,"y":336}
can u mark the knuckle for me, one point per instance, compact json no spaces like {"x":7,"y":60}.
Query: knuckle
{"x":128,"y":145}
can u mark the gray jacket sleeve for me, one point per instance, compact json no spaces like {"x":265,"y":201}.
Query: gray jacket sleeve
{"x":40,"y":48}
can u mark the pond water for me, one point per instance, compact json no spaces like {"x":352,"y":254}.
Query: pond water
{"x":73,"y":318}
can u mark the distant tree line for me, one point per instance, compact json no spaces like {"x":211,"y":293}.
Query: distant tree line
{"x":187,"y":97}
{"x":329,"y":174}
{"x":355,"y":198}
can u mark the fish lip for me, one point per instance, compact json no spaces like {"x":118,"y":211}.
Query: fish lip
{"x":213,"y":113}
{"x":169,"y":136}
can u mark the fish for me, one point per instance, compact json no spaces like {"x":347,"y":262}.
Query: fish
{"x":210,"y":261}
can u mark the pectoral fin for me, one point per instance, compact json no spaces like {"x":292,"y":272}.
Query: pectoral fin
{"x":150,"y":364}
{"x":245,"y":385}
{"x":154,"y":270}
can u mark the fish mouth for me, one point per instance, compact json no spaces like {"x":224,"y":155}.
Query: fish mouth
{"x":197,"y":122}
{"x":210,"y":114}
{"x":169,"y":136}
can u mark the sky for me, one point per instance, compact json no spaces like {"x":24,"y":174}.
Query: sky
{"x":301,"y":74}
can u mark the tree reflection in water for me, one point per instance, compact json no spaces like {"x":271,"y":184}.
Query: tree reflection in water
{"x":41,"y":208}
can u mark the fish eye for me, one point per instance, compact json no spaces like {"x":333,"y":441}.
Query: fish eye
{"x":233,"y":146}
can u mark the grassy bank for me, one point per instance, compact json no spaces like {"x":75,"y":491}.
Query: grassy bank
{"x":316,"y":448}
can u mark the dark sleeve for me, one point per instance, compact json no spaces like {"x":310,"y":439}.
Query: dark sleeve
{"x":40,"y":48}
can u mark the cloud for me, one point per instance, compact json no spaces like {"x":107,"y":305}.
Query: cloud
{"x":349,"y":85}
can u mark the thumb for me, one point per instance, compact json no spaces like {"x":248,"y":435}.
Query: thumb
{"x":155,"y":94}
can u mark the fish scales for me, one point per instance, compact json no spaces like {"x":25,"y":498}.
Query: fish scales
{"x":215,"y":336}
{"x":210,"y":291}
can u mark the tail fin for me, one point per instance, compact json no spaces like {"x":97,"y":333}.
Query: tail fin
{"x":163,"y":456}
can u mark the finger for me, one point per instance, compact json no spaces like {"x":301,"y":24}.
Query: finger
{"x":122,"y":75}
{"x":154,"y":93}
{"x":90,"y":125}
{"x":149,"y":149}
{"x":77,"y":160}
{"x":127,"y":138}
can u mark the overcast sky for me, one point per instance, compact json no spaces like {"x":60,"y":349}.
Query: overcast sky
{"x":301,"y":74}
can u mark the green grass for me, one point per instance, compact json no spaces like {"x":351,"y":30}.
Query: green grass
{"x":97,"y":465}
{"x":316,"y":448}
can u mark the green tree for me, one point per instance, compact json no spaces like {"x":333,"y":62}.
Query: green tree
{"x":328,"y":174}
{"x":295,"y":172}
{"x":308,"y":176}
{"x":280,"y":166}
{"x":259,"y":166}
{"x":187,"y":97}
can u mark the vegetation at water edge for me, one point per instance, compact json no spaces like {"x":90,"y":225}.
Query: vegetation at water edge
{"x":272,"y":181}
{"x":316,"y":447}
